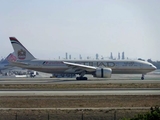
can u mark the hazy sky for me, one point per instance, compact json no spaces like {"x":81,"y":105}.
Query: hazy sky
{"x":50,"y":28}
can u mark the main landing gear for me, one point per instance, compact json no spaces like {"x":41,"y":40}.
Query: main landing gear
{"x":142,"y":78}
{"x":81,"y":76}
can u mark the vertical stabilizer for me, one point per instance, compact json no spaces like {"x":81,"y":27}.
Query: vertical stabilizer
{"x":20,"y":51}
{"x":10,"y":58}
{"x":5,"y":64}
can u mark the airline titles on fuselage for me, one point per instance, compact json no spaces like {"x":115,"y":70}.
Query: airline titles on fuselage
{"x":97,"y":64}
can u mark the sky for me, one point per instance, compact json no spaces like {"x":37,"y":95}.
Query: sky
{"x":50,"y":28}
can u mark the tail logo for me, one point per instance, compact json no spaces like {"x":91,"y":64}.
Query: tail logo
{"x":11,"y":58}
{"x":21,"y":54}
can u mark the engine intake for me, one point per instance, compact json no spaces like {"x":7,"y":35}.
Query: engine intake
{"x":103,"y":73}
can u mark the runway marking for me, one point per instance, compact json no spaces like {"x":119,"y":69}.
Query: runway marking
{"x":71,"y":81}
{"x":79,"y":93}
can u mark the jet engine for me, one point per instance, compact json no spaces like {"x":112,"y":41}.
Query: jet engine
{"x":103,"y":72}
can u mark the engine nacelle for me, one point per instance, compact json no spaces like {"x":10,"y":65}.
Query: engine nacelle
{"x":103,"y":72}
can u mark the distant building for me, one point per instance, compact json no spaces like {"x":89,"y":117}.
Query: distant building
{"x":66,"y":56}
{"x":123,"y":56}
{"x":119,"y":56}
{"x":80,"y":57}
{"x":97,"y":57}
{"x":111,"y":56}
{"x":70,"y":57}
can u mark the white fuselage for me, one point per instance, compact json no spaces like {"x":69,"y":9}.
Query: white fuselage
{"x":117,"y":66}
{"x":4,"y":66}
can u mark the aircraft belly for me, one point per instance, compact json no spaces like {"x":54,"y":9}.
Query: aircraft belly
{"x":129,"y":71}
{"x":49,"y":70}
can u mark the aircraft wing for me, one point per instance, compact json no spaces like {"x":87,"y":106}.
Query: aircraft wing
{"x":80,"y":67}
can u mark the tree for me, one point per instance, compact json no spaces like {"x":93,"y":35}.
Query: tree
{"x":154,"y":114}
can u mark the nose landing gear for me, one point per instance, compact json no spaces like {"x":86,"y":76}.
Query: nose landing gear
{"x":142,"y":78}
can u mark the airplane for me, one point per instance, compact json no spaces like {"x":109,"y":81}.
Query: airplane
{"x":97,"y":68}
{"x":4,"y":64}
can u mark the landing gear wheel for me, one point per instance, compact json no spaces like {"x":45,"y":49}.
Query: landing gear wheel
{"x":142,"y":78}
{"x":81,"y":78}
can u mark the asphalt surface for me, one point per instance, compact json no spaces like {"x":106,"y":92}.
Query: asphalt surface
{"x":115,"y":79}
{"x":72,"y":81}
{"x":79,"y":92}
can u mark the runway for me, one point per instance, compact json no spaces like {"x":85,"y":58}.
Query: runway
{"x":33,"y":91}
{"x":116,"y":78}
{"x":80,"y":92}
{"x":71,"y":81}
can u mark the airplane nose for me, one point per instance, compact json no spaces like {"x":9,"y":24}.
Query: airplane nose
{"x":154,"y":67}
